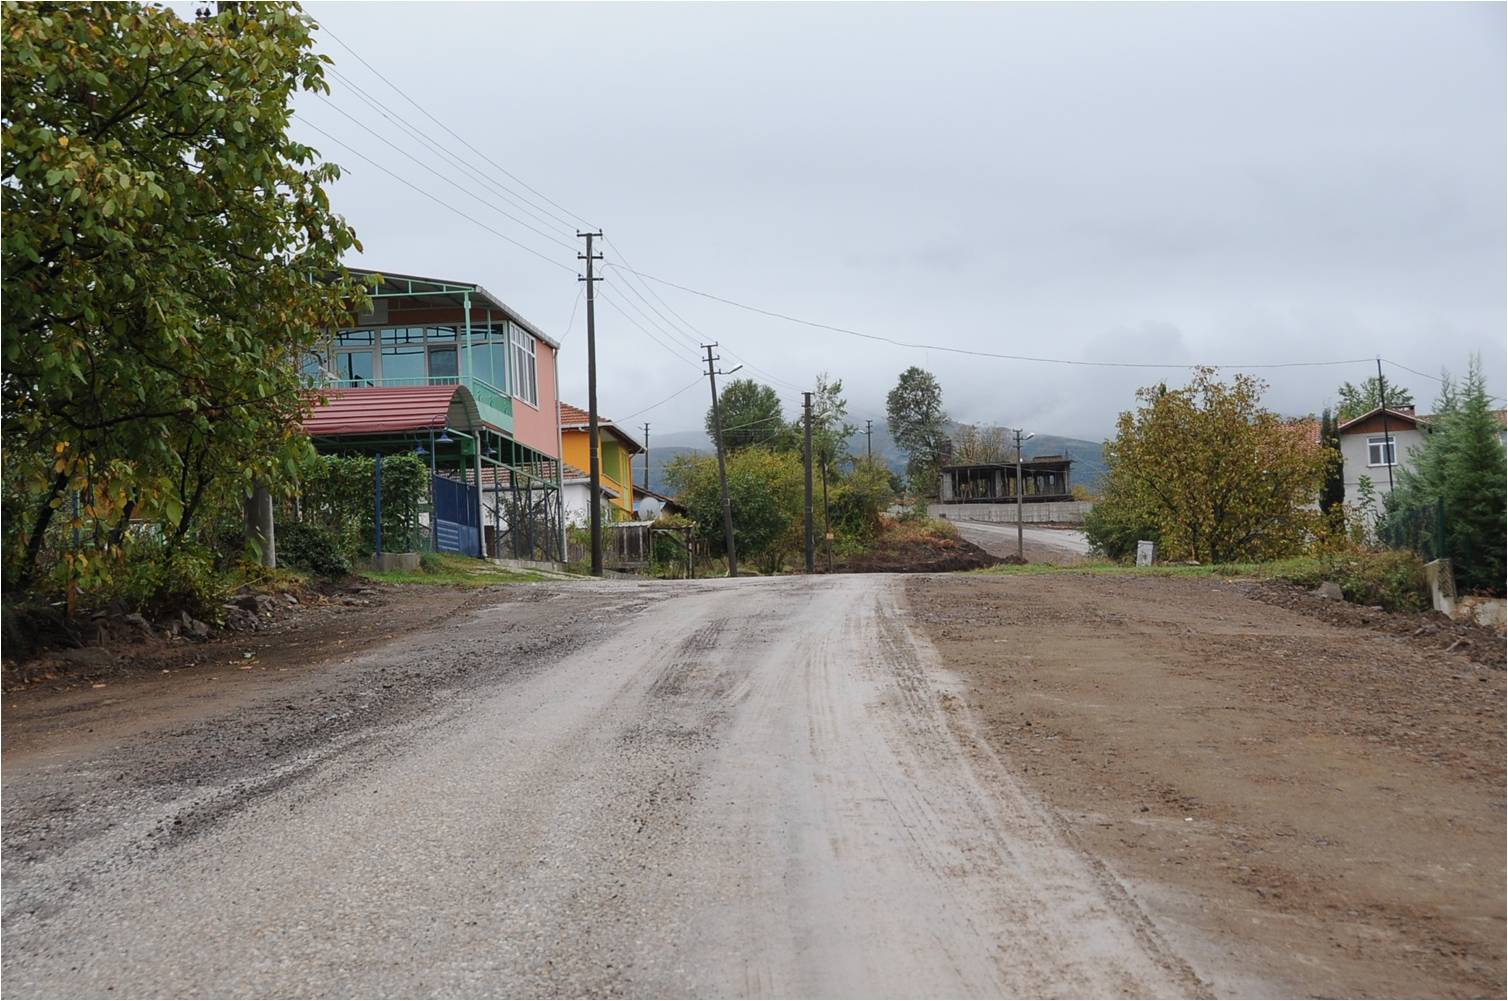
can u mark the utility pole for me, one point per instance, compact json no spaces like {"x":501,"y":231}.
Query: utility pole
{"x":806,"y":456}
{"x":1387,"y":439}
{"x":646,"y":456}
{"x":1020,"y":490}
{"x":722,"y":464}
{"x":868,"y":438}
{"x":594,"y":440}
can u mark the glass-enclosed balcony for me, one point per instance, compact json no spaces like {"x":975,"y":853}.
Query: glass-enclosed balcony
{"x":422,"y":356}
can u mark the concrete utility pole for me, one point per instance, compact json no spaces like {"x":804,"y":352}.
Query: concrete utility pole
{"x":806,"y":456}
{"x":594,"y":440}
{"x":722,"y":464}
{"x":868,"y":438}
{"x":646,"y":456}
{"x":1020,"y":490}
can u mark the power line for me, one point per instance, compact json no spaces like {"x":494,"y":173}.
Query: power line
{"x":684,"y":389}
{"x":922,"y":346}
{"x":621,"y":312}
{"x":464,"y":190}
{"x":1424,"y":375}
{"x":501,"y":235}
{"x":457,"y":136}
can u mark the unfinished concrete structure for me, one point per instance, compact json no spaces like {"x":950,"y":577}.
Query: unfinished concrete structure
{"x":1043,"y":478}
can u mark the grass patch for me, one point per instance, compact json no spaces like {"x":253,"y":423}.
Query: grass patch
{"x":453,"y":571}
{"x":1392,"y":578}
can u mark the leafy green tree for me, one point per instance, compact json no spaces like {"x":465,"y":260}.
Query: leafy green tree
{"x":169,"y":253}
{"x":1357,"y":400}
{"x":1456,"y":482}
{"x":918,"y":425}
{"x":1218,"y":477}
{"x":764,"y":491}
{"x":751,"y":416}
{"x":830,"y":428}
{"x":1333,"y":492}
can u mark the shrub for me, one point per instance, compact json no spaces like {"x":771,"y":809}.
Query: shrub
{"x":311,"y":547}
{"x":1113,"y":530}
{"x":158,"y":582}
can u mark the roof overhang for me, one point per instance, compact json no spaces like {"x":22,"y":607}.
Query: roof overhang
{"x":376,"y":410}
{"x":420,"y":292}
{"x":1411,"y":420}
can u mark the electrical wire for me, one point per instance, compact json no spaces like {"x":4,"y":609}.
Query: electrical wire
{"x":694,"y":382}
{"x":670,"y":350}
{"x":498,"y":233}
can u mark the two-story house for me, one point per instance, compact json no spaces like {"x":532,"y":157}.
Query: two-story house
{"x":1375,"y":446}
{"x":447,"y":370}
{"x":618,"y":451}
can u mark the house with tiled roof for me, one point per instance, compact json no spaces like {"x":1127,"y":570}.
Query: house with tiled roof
{"x":448,"y":371}
{"x":618,"y":449}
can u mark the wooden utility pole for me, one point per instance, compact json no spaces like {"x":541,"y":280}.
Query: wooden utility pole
{"x":722,"y":464}
{"x":646,"y":456}
{"x":827,"y":525}
{"x":868,"y":438}
{"x":594,"y":440}
{"x":806,"y":456}
{"x":1387,"y":439}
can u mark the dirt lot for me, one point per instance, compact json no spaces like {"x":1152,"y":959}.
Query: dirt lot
{"x":1315,"y":802}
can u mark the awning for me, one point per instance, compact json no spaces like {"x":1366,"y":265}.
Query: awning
{"x":390,"y":409}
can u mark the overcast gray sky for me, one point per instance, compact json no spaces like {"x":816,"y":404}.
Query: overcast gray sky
{"x":1139,"y":183}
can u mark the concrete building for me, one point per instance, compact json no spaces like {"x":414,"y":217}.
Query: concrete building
{"x":1376,"y":444}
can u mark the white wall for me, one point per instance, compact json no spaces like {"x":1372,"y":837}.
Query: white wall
{"x":1353,"y":452}
{"x":1059,"y":512}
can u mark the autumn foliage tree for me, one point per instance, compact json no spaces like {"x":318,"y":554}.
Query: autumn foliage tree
{"x":169,"y":252}
{"x":1213,"y":474}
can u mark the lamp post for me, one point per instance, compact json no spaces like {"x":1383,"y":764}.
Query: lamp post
{"x":1020,"y":487}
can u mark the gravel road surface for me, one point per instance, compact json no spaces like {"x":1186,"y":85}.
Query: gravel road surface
{"x":1000,"y":539}
{"x":752,"y":787}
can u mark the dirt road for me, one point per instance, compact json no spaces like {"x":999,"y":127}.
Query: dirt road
{"x":1042,"y":545}
{"x":753,"y":787}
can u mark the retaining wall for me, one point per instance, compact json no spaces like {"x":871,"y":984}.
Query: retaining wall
{"x":1057,"y":512}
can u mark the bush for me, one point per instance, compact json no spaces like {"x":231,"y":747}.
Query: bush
{"x":156,"y":582}
{"x":1113,"y":530}
{"x":1392,"y":578}
{"x":314,"y":548}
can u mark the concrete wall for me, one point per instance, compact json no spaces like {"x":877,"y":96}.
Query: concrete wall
{"x":1061,"y":512}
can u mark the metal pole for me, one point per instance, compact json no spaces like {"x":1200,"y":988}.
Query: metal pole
{"x":593,"y":436}
{"x":806,"y":461}
{"x":722,"y":465}
{"x":868,"y":438}
{"x":1387,"y":439}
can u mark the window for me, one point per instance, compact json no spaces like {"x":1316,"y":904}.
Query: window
{"x":526,"y":386}
{"x":442,"y":364}
{"x":1381,"y":450}
{"x":354,"y":367}
{"x":403,"y":365}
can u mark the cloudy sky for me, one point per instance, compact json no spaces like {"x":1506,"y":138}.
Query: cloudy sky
{"x":1236,"y":185}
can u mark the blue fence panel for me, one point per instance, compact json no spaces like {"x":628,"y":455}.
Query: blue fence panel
{"x":456,"y":518}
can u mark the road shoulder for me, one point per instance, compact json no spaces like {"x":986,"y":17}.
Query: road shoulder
{"x":1301,"y":807}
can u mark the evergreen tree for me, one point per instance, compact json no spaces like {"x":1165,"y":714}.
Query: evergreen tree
{"x":1333,"y":493}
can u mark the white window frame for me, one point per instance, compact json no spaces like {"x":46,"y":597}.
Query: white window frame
{"x":525,"y":366}
{"x":1377,"y":444}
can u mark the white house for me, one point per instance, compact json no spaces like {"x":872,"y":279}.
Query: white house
{"x":1377,"y":446}
{"x":576,"y":491}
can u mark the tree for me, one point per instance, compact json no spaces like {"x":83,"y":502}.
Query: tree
{"x":1355,"y":401}
{"x":830,"y":429}
{"x":1218,"y":477}
{"x":1457,"y":484}
{"x":980,"y":445}
{"x":917,"y":423}
{"x":1333,"y":492}
{"x":169,"y":253}
{"x":751,"y":415}
{"x":764,"y":490}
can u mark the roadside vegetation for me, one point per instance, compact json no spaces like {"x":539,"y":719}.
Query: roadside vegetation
{"x":169,"y":253}
{"x":453,"y":571}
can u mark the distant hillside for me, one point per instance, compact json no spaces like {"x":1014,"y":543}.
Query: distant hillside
{"x":1088,"y":456}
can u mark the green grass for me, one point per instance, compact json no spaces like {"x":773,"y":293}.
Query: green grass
{"x":453,"y":571}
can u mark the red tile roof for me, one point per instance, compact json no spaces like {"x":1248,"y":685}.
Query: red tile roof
{"x":389,"y":409}
{"x":576,"y":419}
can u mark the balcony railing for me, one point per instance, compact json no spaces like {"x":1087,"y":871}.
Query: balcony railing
{"x":495,"y":405}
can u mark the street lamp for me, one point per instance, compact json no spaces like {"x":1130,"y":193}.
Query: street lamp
{"x":1020,"y":489}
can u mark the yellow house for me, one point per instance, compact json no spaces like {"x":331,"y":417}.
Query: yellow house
{"x":618,"y":451}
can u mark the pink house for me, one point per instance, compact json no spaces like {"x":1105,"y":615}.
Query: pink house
{"x":447,"y":370}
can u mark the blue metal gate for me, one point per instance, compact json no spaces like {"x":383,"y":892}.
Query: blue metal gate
{"x":456,"y":517}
